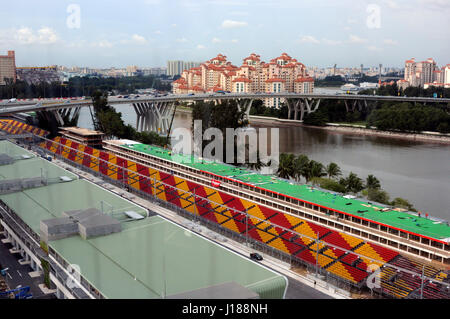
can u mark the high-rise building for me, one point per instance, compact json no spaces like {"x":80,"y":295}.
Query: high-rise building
{"x":7,"y":67}
{"x":282,"y":74}
{"x":421,"y":73}
{"x":177,"y":67}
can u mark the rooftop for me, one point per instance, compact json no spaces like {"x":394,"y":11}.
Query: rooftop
{"x":407,"y":221}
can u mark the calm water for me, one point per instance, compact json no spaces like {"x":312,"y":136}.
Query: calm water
{"x":417,"y":171}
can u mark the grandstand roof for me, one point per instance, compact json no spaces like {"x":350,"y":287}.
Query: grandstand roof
{"x":131,"y":263}
{"x":406,"y":221}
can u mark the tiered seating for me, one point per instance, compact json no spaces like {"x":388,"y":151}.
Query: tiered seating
{"x":386,"y":254}
{"x":349,"y":258}
{"x":368,"y":251}
{"x":339,"y":269}
{"x":351,"y":241}
{"x":348,"y":266}
{"x":16,"y":127}
{"x":336,"y":239}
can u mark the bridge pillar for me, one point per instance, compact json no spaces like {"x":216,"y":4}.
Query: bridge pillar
{"x":246,"y":105}
{"x":154,"y":116}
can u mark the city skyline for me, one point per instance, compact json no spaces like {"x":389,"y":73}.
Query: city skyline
{"x":150,"y":32}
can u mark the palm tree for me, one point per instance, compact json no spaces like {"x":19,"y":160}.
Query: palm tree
{"x":301,"y":163}
{"x":353,"y":183}
{"x":286,"y":165}
{"x":333,"y":170}
{"x":372,"y":182}
{"x":316,"y":169}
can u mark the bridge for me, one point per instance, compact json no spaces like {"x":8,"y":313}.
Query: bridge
{"x":155,"y":113}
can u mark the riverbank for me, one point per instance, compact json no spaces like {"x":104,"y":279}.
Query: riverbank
{"x":431,"y":137}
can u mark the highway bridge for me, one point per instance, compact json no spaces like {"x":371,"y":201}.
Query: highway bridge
{"x":155,"y":113}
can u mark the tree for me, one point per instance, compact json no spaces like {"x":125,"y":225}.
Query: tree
{"x":402,"y":203}
{"x":301,"y":163}
{"x":329,"y":184}
{"x":378,"y":195}
{"x":316,"y":169}
{"x":286,"y":165}
{"x":352,"y":183}
{"x":333,"y":170}
{"x":372,"y":182}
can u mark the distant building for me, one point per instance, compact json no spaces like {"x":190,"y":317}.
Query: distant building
{"x":282,"y":74}
{"x":7,"y":67}
{"x":35,"y":75}
{"x":424,"y":74}
{"x":177,"y":67}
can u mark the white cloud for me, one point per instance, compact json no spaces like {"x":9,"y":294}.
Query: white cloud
{"x":309,"y":39}
{"x":228,"y":24}
{"x":103,"y":44}
{"x":391,"y":4}
{"x":351,"y":21}
{"x":235,"y":40}
{"x":182,"y":40}
{"x":435,"y":4}
{"x":239,"y":13}
{"x":356,"y":39}
{"x":331,"y":42}
{"x":200,"y":46}
{"x":173,"y":25}
{"x":25,"y":35}
{"x":374,"y":48}
{"x":138,"y":39}
{"x":390,"y":42}
{"x":158,"y":32}
{"x":216,"y":40}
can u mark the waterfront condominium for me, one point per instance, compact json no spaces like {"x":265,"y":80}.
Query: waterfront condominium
{"x":281,"y":74}
{"x":424,"y":74}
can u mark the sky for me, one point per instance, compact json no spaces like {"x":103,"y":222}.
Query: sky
{"x":147,"y":33}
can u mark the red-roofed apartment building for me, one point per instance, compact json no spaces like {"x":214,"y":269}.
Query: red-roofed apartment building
{"x":424,"y":74}
{"x":282,"y":74}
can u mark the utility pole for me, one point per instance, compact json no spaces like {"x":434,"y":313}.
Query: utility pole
{"x":421,"y":284}
{"x":317,"y":255}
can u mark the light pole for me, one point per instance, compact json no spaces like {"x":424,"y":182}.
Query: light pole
{"x":421,"y":284}
{"x":317,"y":255}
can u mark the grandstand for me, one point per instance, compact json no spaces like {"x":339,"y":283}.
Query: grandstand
{"x":340,"y":255}
{"x":149,"y":258}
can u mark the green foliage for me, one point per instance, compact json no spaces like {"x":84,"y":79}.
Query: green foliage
{"x":402,"y":203}
{"x":352,"y":183}
{"x":327,"y":183}
{"x":286,"y":166}
{"x":46,"y":269}
{"x":109,"y":121}
{"x":408,"y":118}
{"x":378,"y":195}
{"x":372,"y":182}
{"x":300,"y":166}
{"x":333,"y":170}
{"x":318,"y":118}
{"x":220,"y":116}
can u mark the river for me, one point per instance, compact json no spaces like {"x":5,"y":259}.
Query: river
{"x":417,"y":171}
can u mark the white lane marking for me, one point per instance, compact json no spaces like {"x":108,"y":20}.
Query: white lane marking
{"x":9,"y":275}
{"x":19,"y":273}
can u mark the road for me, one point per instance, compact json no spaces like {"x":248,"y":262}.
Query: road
{"x":18,"y":274}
